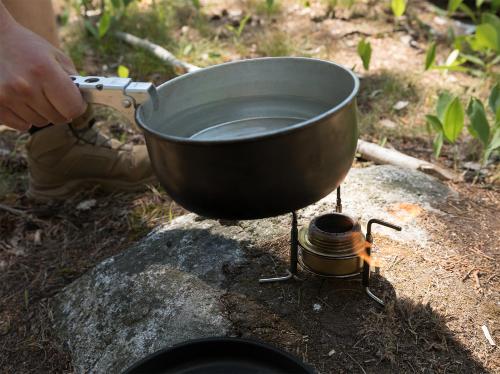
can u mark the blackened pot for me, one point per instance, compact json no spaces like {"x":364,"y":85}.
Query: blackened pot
{"x":253,"y":138}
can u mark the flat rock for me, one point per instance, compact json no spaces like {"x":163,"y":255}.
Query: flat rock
{"x":163,"y":291}
{"x":168,"y":287}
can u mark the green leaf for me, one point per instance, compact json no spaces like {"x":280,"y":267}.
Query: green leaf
{"x":64,"y":16}
{"x":91,"y":28}
{"x":494,"y":101}
{"x":437,"y":144}
{"x":468,"y":11}
{"x":495,"y":140}
{"x":473,"y":59}
{"x":479,"y":126}
{"x":494,"y":21}
{"x":453,"y":5}
{"x":269,"y":5}
{"x":243,"y":23}
{"x":435,"y":122}
{"x":430,"y":56}
{"x":365,"y":53}
{"x":488,"y":37}
{"x":495,"y":61}
{"x":398,"y":7}
{"x":458,"y":42}
{"x":451,"y":67}
{"x":104,"y":24}
{"x":494,"y":144}
{"x":123,"y":71}
{"x":479,"y":3}
{"x":453,"y":122}
{"x":473,"y":132}
{"x":196,"y":4}
{"x":116,"y":3}
{"x":443,"y":101}
{"x":491,"y":19}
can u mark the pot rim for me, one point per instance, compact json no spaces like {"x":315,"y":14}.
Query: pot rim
{"x":270,"y":134}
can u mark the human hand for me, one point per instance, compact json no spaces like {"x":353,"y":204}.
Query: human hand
{"x":35,"y":88}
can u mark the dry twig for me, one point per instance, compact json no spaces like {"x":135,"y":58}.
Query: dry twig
{"x":487,"y":334}
{"x":180,"y":67}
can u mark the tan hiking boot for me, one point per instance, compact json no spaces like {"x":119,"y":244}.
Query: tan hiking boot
{"x":65,"y":158}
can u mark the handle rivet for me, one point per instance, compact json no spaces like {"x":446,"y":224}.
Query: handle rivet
{"x":126,"y":103}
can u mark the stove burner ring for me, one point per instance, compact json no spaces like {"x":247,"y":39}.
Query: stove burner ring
{"x":331,"y":245}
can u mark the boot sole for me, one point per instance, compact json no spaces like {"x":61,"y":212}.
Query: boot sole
{"x":68,"y":189}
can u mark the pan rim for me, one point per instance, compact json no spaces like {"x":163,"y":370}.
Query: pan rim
{"x":218,"y":340}
{"x":300,"y":125}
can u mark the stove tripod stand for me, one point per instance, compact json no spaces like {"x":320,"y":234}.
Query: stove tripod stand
{"x":365,"y":272}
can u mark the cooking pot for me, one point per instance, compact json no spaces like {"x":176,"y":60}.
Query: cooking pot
{"x":247,"y":139}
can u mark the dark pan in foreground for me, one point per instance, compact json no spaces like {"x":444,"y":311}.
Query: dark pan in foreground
{"x":220,"y":356}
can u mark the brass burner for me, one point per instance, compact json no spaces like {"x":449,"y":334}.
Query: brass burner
{"x":332,"y":245}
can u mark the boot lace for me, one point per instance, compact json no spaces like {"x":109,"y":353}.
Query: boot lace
{"x":92,"y":136}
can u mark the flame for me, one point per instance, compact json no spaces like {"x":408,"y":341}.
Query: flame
{"x":368,"y":259}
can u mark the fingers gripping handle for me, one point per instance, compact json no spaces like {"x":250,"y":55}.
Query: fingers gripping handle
{"x":121,"y":94}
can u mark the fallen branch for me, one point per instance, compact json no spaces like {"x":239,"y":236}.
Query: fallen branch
{"x":381,"y":155}
{"x":180,"y":67}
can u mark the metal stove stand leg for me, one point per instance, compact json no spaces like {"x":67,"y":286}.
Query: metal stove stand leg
{"x":366,"y":265}
{"x":294,"y":253}
{"x":338,"y":207}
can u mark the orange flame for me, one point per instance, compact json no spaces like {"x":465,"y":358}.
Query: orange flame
{"x":369,"y":259}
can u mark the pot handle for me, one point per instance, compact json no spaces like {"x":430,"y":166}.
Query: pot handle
{"x":122,"y":94}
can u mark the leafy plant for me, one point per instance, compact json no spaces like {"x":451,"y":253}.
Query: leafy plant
{"x":237,"y":31}
{"x":104,"y":24}
{"x":447,"y":123}
{"x":365,"y":52}
{"x":110,"y":12}
{"x":479,"y":126}
{"x":398,"y":7}
{"x":453,"y":5}
{"x":476,"y":53}
{"x":430,"y":56}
